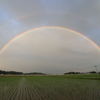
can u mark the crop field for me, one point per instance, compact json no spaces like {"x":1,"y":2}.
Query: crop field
{"x":65,"y":87}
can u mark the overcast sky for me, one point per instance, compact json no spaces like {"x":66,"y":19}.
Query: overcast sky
{"x":50,"y":50}
{"x":17,"y":16}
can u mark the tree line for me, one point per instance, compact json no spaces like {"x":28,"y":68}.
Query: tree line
{"x":10,"y":72}
{"x":91,"y":72}
{"x":2,"y":72}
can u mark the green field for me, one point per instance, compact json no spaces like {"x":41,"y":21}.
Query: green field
{"x":65,"y":87}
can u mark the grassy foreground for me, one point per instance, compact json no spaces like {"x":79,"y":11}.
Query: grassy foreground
{"x":65,"y":87}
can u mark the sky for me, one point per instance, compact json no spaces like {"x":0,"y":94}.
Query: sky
{"x":17,"y":16}
{"x":50,"y":50}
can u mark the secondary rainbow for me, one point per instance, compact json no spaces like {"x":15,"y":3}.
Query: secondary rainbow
{"x":34,"y":29}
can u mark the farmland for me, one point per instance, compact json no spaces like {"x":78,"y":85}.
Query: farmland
{"x":65,"y":87}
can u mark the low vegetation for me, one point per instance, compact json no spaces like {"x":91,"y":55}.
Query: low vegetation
{"x":58,"y":87}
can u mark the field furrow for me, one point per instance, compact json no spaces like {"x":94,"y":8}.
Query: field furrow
{"x":48,"y":88}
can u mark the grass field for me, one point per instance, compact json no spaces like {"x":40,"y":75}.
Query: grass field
{"x":65,"y":87}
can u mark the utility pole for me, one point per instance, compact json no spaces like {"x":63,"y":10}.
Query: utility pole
{"x":96,"y":68}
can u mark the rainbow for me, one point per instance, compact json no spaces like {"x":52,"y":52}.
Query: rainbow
{"x":34,"y":29}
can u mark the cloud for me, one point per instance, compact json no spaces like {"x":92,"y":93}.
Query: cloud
{"x":18,"y":16}
{"x":51,"y":50}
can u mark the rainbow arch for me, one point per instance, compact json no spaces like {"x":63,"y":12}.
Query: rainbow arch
{"x":34,"y":29}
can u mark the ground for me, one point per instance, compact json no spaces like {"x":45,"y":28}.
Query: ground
{"x":64,"y":87}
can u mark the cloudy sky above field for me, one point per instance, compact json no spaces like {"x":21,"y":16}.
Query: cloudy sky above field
{"x":17,"y":16}
{"x":50,"y":50}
